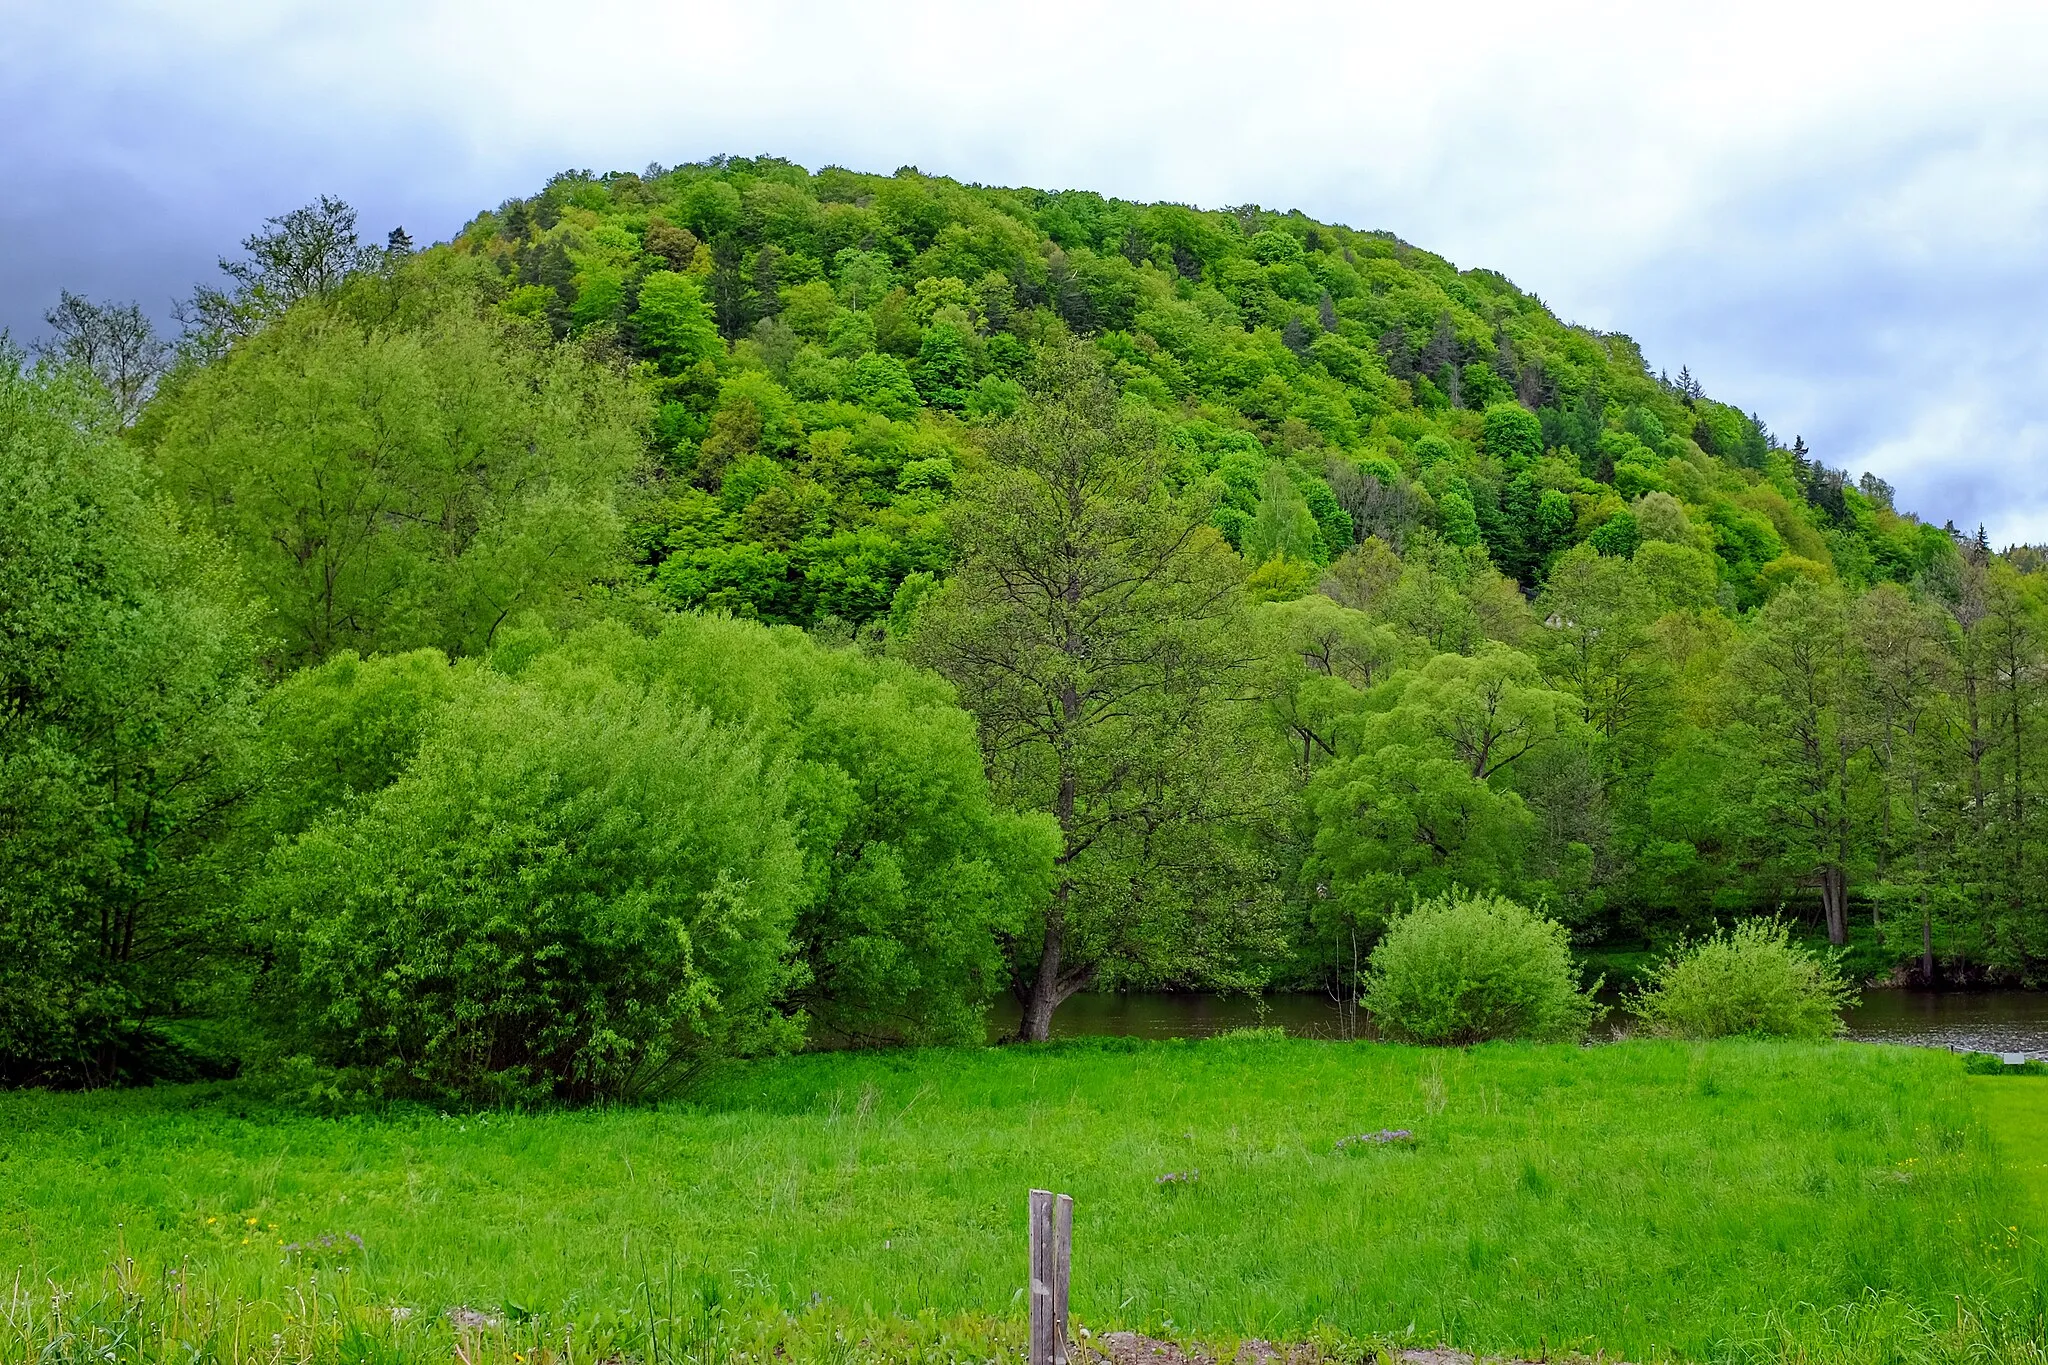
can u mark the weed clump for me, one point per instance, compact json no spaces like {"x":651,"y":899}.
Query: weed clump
{"x":1748,"y":981}
{"x":1469,"y":967}
{"x":1249,"y":1035}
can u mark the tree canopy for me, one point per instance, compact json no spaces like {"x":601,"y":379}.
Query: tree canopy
{"x":735,"y":606}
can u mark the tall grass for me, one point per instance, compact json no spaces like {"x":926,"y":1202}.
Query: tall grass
{"x":1735,"y":1200}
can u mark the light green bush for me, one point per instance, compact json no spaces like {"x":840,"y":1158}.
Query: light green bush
{"x":590,"y":864}
{"x":578,"y":889}
{"x":1751,"y":980}
{"x":1467,"y":967}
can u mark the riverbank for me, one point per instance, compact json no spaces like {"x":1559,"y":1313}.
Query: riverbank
{"x":1996,"y":1021}
{"x":1645,"y":1200}
{"x":1865,"y":958}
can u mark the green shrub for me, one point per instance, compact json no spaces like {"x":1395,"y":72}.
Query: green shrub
{"x":577,"y":889}
{"x":589,"y":864}
{"x":1751,"y":980}
{"x":1466,"y":967}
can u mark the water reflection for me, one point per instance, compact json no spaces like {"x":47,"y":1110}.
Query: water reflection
{"x":1974,"y":1021}
{"x":1981,"y":1021}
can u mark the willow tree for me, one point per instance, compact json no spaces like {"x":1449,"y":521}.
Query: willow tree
{"x":396,"y":466}
{"x":1090,"y":629}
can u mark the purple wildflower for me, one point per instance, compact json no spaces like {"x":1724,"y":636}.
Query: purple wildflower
{"x":1381,"y":1138}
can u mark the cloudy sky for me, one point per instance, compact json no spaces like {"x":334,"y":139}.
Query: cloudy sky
{"x":1835,"y":215}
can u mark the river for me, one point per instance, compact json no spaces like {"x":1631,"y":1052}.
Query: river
{"x":1979,"y":1021}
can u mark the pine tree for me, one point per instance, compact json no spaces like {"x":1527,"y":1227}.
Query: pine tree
{"x":1394,"y":347}
{"x":517,"y":219}
{"x":1442,"y":350}
{"x":767,"y":299}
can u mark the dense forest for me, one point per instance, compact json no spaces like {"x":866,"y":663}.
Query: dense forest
{"x":725,"y":608}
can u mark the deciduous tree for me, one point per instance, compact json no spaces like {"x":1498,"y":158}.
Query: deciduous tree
{"x":394,"y":484}
{"x":127,"y":719}
{"x":1089,"y":628}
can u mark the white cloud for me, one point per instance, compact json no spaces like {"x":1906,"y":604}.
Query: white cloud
{"x":1834,"y":214}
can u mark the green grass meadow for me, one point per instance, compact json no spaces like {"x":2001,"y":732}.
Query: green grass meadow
{"x":1643,"y":1200}
{"x":2016,"y":1112}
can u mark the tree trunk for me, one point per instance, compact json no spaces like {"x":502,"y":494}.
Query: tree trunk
{"x":1834,"y":902}
{"x":1044,"y":996}
{"x":1051,"y":984}
{"x":1055,"y":982}
{"x":1926,"y":947}
{"x":1976,"y":747}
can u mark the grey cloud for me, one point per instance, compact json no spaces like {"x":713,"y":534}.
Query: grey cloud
{"x":1865,"y":272}
{"x":1916,"y":351}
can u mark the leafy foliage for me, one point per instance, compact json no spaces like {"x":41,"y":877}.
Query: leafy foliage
{"x":912,"y":875}
{"x":613,"y":858}
{"x":575,"y":888}
{"x":1750,"y":980}
{"x":1285,"y":572}
{"x":1464,"y":968}
{"x":397,"y":469}
{"x":1088,"y":626}
{"x":874,"y":315}
{"x":127,"y":717}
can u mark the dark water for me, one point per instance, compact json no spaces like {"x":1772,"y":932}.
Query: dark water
{"x":1976,"y":1021}
{"x":1965,"y":1021}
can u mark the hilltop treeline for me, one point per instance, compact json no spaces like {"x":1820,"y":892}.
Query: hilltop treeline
{"x":699,"y":611}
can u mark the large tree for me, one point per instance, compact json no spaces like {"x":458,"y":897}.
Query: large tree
{"x":1091,"y":629}
{"x":2011,"y":642}
{"x":1796,"y":719}
{"x":398,"y":467}
{"x":113,"y":342}
{"x":1906,"y":672}
{"x":127,"y":683}
{"x":306,"y":253}
{"x":1422,"y":792}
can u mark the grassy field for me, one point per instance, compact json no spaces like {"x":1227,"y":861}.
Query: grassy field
{"x":2016,"y":1112}
{"x":1646,"y":1200}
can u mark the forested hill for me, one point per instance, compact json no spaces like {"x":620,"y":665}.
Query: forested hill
{"x":863,"y":321}
{"x":1159,"y":597}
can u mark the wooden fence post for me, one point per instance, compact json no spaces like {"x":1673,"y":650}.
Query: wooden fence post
{"x":1052,"y":1244}
{"x":1062,"y":1267}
